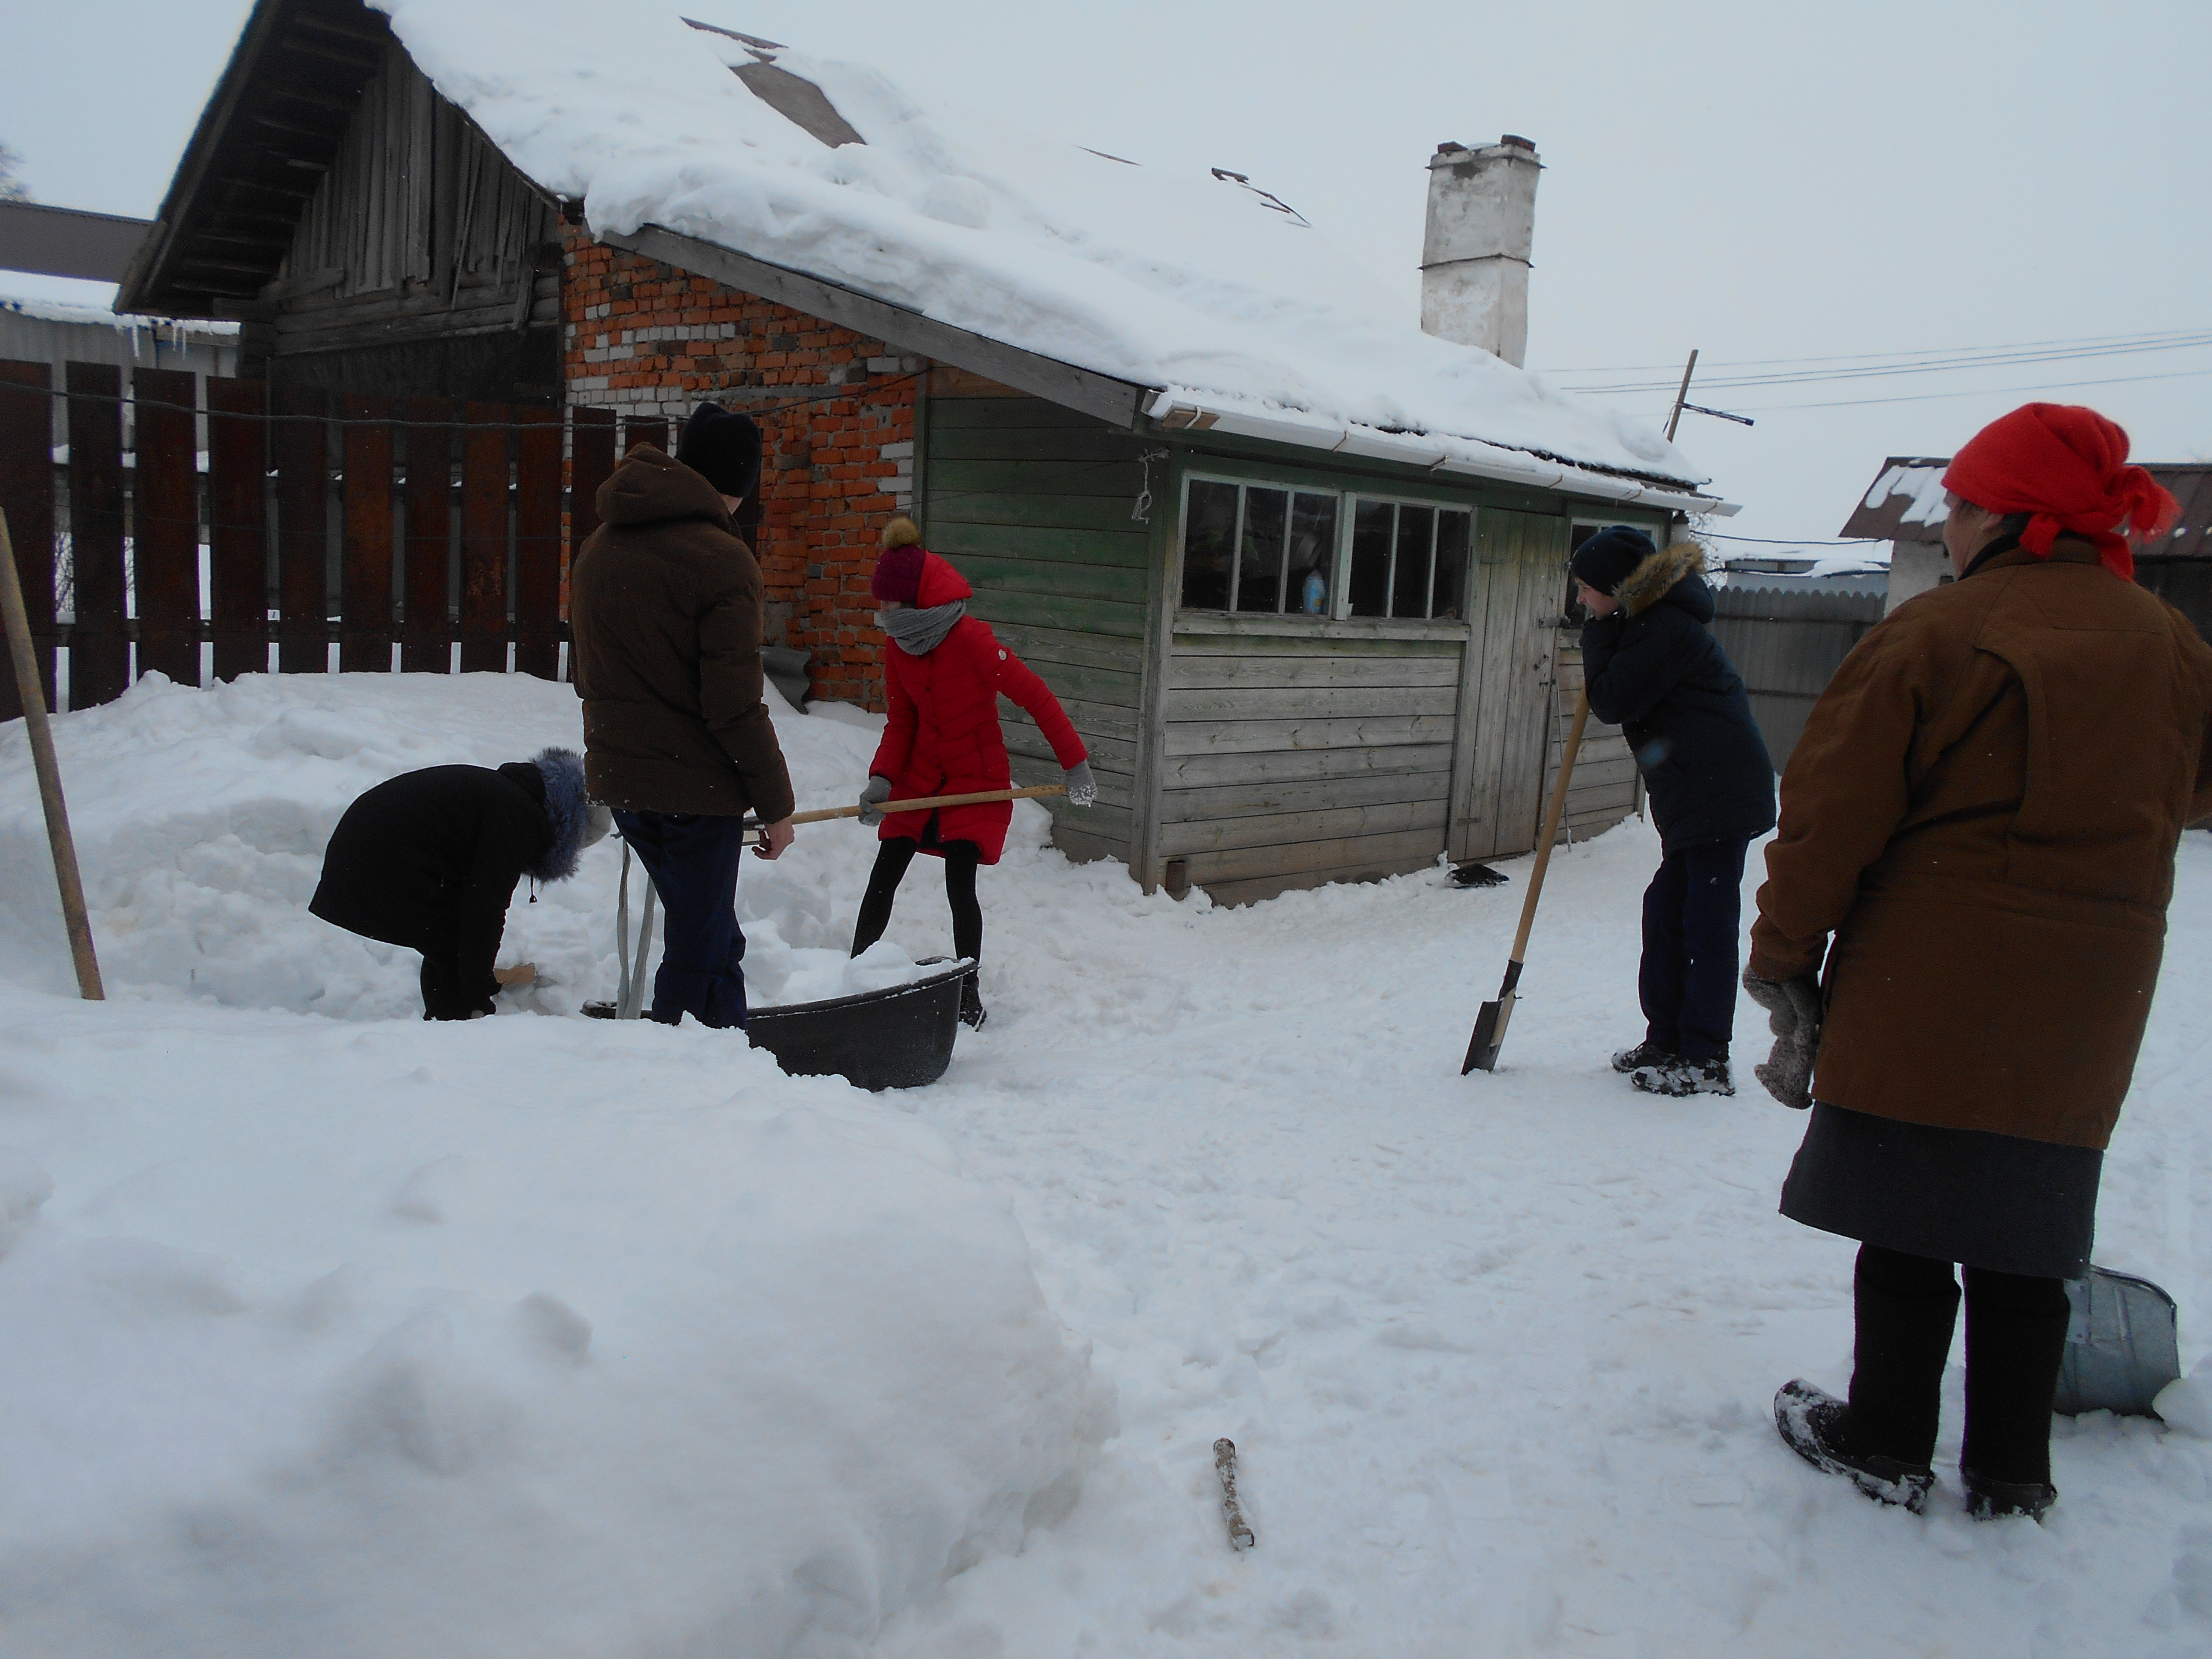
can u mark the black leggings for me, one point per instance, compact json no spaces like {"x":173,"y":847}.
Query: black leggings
{"x":2015,"y":1338}
{"x":961,"y":860}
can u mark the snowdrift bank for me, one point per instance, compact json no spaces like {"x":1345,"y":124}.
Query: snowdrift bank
{"x":201,"y":817}
{"x":492,"y":1345}
{"x":361,"y":1336}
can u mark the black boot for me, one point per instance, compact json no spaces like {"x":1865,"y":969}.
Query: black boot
{"x":971,"y":1005}
{"x":1905,"y":1307}
{"x":2015,"y":1343}
{"x":1816,"y":1426}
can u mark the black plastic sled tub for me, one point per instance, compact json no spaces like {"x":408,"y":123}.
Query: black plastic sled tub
{"x":901,"y":1038}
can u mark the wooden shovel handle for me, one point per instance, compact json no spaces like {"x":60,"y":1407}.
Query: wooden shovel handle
{"x":891,"y":809}
{"x":1552,"y":817}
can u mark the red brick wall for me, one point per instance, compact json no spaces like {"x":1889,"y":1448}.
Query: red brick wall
{"x":655,"y":341}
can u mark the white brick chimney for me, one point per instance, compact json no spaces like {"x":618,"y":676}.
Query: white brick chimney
{"x":1474,"y":259}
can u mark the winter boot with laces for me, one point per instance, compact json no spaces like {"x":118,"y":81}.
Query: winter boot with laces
{"x":1646,"y":1053}
{"x":971,"y":1005}
{"x":1815,"y":1425}
{"x":1678,"y":1077}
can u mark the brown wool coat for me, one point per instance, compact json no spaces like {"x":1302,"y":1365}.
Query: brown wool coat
{"x":665,"y":610}
{"x":1982,"y":810}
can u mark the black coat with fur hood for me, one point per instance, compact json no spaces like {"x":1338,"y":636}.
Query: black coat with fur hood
{"x":429,"y":859}
{"x":1656,"y":671}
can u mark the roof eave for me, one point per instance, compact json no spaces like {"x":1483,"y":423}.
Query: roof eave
{"x":1175,"y":410}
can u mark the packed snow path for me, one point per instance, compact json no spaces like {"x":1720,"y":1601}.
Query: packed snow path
{"x":1496,"y":1352}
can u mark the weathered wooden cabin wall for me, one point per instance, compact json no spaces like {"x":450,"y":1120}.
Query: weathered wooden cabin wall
{"x":425,"y":263}
{"x":1036,"y":505}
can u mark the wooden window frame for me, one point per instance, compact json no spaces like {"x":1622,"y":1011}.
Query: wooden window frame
{"x":1244,"y":486}
{"x":1348,"y":514}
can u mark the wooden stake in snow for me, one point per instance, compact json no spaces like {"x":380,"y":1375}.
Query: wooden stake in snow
{"x":50,"y":776}
{"x":1225,"y":1465}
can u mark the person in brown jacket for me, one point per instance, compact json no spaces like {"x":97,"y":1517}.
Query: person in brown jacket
{"x":665,"y":608}
{"x":1963,"y":916}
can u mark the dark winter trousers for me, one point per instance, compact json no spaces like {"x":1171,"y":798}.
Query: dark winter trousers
{"x":2015,"y":1338}
{"x":693,"y":861}
{"x":892,"y":858}
{"x":1688,"y":979}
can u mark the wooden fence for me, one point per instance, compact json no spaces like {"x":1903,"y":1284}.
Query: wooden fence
{"x":422,"y":534}
{"x":1788,"y":646}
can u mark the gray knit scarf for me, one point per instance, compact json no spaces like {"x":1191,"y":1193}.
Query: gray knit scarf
{"x":918,"y":633}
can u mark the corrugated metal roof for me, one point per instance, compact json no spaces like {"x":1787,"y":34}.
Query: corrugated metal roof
{"x":1905,"y":503}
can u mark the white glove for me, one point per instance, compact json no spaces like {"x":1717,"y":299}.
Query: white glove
{"x":1082,"y":787}
{"x":878,"y":791}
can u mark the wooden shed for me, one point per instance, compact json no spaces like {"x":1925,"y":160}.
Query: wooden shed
{"x":1302,"y":586}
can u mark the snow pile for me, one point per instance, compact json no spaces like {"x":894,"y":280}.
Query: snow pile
{"x":526,"y":1338}
{"x":201,"y":817}
{"x":1178,"y":280}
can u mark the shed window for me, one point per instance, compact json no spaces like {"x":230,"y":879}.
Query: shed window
{"x":1408,"y":560}
{"x":1254,"y":548}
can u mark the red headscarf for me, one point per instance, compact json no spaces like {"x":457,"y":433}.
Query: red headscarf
{"x":2068,"y":467}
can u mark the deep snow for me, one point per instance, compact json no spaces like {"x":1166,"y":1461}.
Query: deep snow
{"x":299,"y":1360}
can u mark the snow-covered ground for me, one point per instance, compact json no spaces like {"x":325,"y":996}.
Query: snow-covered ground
{"x":332,"y":1332}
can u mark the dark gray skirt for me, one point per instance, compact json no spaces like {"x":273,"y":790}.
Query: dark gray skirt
{"x":1966,"y":1196}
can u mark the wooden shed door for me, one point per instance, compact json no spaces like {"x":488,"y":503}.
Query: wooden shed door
{"x":1520,"y":587}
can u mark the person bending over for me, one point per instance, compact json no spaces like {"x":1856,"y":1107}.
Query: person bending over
{"x":429,"y":860}
{"x":944,"y":674}
{"x":1655,"y":670}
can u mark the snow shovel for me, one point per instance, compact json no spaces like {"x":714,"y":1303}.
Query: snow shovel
{"x":2121,"y":1347}
{"x":929,"y":805}
{"x":1482,"y":1050}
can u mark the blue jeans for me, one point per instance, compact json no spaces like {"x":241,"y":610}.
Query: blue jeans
{"x":1687,"y":981}
{"x":693,"y":861}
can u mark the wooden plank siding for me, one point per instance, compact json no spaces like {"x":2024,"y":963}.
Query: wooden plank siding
{"x":1605,"y":788}
{"x":1031,"y":502}
{"x":1289,"y":759}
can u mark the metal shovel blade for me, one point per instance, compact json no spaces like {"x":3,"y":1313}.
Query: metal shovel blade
{"x":1482,"y":1050}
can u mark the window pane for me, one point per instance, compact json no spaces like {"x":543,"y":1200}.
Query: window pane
{"x":1369,"y":586}
{"x":1209,"y":526}
{"x":1313,"y":555}
{"x":1409,"y":595}
{"x":1448,"y":594}
{"x":1259,"y":567}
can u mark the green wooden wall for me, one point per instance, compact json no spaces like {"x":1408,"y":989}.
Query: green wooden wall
{"x":1032,"y":503}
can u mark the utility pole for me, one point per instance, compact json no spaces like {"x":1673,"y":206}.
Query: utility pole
{"x":1681,"y":396}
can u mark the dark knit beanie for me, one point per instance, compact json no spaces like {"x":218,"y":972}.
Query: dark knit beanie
{"x":723,"y":448}
{"x":1607,"y":559}
{"x":898,"y":572}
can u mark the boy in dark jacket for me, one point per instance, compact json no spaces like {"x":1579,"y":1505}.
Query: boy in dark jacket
{"x":944,"y":674}
{"x":429,"y":859}
{"x":664,"y":607}
{"x":1655,"y":670}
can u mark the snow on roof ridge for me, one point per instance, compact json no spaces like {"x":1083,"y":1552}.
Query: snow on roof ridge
{"x":1143,"y":274}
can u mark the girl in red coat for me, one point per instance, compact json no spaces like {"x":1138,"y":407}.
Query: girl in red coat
{"x":944,"y":671}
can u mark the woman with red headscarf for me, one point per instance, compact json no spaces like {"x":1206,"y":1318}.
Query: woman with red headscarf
{"x":1958,"y":940}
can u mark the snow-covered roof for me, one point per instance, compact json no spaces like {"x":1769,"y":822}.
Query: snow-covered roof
{"x":39,"y":307}
{"x":1238,"y":315}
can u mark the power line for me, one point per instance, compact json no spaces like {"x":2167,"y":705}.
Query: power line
{"x":1993,"y":391}
{"x":1950,"y":365}
{"x":1888,"y":357}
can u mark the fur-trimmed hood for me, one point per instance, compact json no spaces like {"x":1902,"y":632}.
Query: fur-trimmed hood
{"x":566,"y":809}
{"x":1665,"y":572}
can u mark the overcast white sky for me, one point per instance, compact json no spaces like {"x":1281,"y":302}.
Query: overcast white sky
{"x":1762,"y":182}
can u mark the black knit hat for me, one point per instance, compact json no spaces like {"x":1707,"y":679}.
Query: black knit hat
{"x":723,"y":448}
{"x":1607,"y":559}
